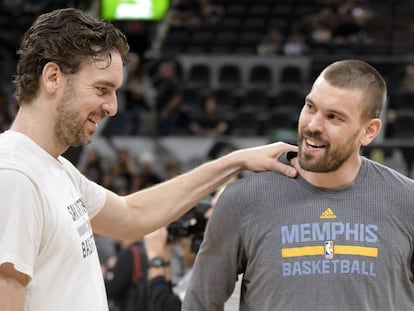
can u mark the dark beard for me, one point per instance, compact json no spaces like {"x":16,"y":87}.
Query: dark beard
{"x":332,"y":159}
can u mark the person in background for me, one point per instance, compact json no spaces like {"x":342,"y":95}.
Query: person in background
{"x":209,"y":123}
{"x":124,"y":168}
{"x":343,"y":229}
{"x":70,"y":67}
{"x":271,"y":43}
{"x":406,"y":84}
{"x":135,"y":94}
{"x":168,"y":97}
{"x":92,"y":166}
{"x":160,"y":295}
{"x":119,"y":271}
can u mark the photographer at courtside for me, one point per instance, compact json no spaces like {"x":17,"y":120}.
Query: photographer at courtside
{"x":187,"y":233}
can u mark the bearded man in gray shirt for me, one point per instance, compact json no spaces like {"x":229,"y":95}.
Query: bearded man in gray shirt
{"x":338,"y":237}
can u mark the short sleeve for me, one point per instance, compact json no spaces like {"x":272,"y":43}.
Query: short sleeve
{"x":22,"y":220}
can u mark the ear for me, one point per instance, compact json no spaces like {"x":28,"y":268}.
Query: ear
{"x":51,"y":76}
{"x":371,"y":130}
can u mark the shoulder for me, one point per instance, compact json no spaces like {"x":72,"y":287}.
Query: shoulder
{"x":379,"y":174}
{"x":376,"y":168}
{"x":249,"y":189}
{"x":16,"y":180}
{"x":260,"y":180}
{"x":16,"y":167}
{"x":18,"y":152}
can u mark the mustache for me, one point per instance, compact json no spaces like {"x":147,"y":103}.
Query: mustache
{"x":314,"y":135}
{"x":99,"y":114}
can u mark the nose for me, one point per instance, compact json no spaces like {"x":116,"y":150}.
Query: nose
{"x":110,"y":106}
{"x":315,"y":123}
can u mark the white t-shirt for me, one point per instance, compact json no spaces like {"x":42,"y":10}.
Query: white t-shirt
{"x":45,"y":209}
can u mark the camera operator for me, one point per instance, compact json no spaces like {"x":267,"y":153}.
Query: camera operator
{"x":160,"y":295}
{"x":187,"y":233}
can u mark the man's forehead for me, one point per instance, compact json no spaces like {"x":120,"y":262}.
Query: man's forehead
{"x":103,"y":72}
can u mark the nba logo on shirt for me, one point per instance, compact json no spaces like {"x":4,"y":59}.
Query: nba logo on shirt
{"x":329,"y":249}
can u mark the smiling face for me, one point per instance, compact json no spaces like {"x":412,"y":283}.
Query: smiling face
{"x":330,"y":127}
{"x":87,"y":97}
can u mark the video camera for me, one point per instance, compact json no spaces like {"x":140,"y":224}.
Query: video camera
{"x":192,"y":224}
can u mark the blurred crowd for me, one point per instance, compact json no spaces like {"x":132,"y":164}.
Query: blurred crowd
{"x":294,"y":28}
{"x":152,"y":100}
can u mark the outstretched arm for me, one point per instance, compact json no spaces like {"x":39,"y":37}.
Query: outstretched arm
{"x":144,"y":211}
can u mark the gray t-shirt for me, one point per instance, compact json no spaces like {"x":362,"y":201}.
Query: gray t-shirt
{"x":301,"y":247}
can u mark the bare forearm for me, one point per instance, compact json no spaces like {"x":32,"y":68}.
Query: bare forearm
{"x":163,"y":203}
{"x":135,"y":215}
{"x":11,"y":294}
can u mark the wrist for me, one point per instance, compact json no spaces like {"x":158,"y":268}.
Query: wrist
{"x":157,"y":266}
{"x":232,"y":163}
{"x":158,"y":262}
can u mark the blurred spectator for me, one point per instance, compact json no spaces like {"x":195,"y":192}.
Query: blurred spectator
{"x":346,"y":30}
{"x":271,"y":43}
{"x":295,"y":44}
{"x":123,"y":170}
{"x":118,"y":274}
{"x":209,"y":123}
{"x":186,"y":13}
{"x":91,"y":166}
{"x":107,"y":250}
{"x":188,"y":255}
{"x":359,"y":10}
{"x":321,"y":26}
{"x":211,"y":13}
{"x":108,"y":181}
{"x":407,"y":80}
{"x":148,"y":175}
{"x":195,"y":14}
{"x":133,"y":99}
{"x":350,"y":26}
{"x":168,"y":96}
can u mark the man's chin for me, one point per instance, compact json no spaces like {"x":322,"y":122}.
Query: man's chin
{"x":311,"y":165}
{"x":82,"y":142}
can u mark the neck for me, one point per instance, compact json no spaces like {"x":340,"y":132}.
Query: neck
{"x":342,"y":177}
{"x":37,"y":127}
